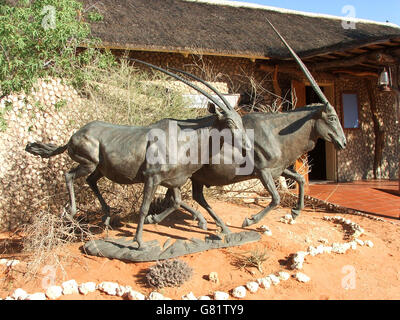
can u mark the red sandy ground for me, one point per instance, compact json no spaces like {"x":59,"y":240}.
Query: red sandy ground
{"x":377,"y":269}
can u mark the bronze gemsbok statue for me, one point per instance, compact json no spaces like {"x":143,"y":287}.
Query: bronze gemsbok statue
{"x":128,"y":154}
{"x":279,"y":140}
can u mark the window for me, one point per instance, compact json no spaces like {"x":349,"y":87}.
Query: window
{"x":350,"y":111}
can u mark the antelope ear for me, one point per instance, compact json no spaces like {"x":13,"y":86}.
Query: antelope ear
{"x":221,"y":115}
{"x":214,"y":110}
{"x":329,"y":108}
{"x":211,"y":108}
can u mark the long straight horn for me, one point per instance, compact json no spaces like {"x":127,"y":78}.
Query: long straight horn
{"x":303,"y":67}
{"x":216,"y":102}
{"x":206,"y":84}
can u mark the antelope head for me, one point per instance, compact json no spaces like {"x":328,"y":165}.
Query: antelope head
{"x":328,"y":125}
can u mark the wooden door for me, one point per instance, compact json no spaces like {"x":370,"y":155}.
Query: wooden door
{"x":299,"y":100}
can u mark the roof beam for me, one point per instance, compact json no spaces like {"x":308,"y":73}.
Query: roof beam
{"x":363,"y":74}
{"x":379,"y":58}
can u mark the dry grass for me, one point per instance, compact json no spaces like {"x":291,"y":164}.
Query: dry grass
{"x":46,"y":237}
{"x":252,"y":259}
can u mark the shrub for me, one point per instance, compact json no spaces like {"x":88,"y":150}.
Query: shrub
{"x":40,"y":39}
{"x":169,"y":273}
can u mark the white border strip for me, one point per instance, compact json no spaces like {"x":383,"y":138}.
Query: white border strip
{"x":289,"y":11}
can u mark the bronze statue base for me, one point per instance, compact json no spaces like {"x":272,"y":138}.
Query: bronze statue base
{"x":127,"y":250}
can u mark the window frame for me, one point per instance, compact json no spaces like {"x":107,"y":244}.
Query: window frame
{"x":358,"y":109}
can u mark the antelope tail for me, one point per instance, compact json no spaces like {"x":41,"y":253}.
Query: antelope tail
{"x":44,"y":150}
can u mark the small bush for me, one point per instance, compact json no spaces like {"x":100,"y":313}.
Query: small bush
{"x":252,"y":259}
{"x":169,"y":273}
{"x":46,"y":237}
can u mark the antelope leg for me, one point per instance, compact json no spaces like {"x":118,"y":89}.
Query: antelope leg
{"x":178,"y":203}
{"x":92,"y":182}
{"x":79,"y":171}
{"x":301,"y":182}
{"x":149,"y":191}
{"x":198,"y":196}
{"x":269,"y":184}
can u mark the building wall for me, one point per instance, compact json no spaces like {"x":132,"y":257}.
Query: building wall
{"x":238,"y":73}
{"x":357,"y":160}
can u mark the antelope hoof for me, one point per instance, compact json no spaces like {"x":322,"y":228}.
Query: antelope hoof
{"x":141,"y":246}
{"x":248,"y":222}
{"x":295,"y":213}
{"x":106,"y":221}
{"x":150,"y":219}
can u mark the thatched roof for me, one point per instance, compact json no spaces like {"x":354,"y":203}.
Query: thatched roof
{"x":227,"y":29}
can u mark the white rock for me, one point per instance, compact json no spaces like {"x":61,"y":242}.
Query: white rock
{"x":109,"y":288}
{"x":298,"y":260}
{"x":288,"y":219}
{"x":359,"y":242}
{"x":10,"y":298}
{"x":328,"y":249}
{"x":284,"y":276}
{"x":54,"y":292}
{"x":339,"y":248}
{"x":353,"y":245}
{"x":252,"y":286}
{"x":301,"y":277}
{"x":320,"y":249}
{"x":19,"y":294}
{"x":274,"y":279}
{"x":239,"y":292}
{"x":219,"y":295}
{"x":134,"y":295}
{"x":70,"y":287}
{"x":156,"y":296}
{"x":189,"y":296}
{"x":213,"y":277}
{"x":264,"y":282}
{"x":249,"y":200}
{"x":36,"y":296}
{"x":357,"y":233}
{"x":121,"y":291}
{"x":268,"y":233}
{"x":3,"y":261}
{"x":204,"y":298}
{"x":87,"y":287}
{"x":312,"y":251}
{"x":369,"y":243}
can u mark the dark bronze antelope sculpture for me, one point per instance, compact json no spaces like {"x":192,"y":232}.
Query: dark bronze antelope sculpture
{"x":279,"y":140}
{"x":121,"y":153}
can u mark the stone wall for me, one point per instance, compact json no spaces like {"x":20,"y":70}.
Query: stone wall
{"x":357,"y":160}
{"x":234,"y":72}
{"x":31,"y":183}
